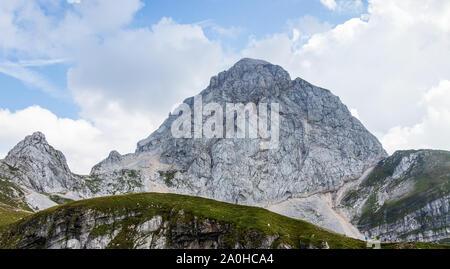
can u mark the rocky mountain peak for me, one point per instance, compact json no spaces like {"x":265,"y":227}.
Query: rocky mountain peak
{"x":39,"y":166}
{"x":114,"y":156}
{"x":37,"y":140}
{"x":32,"y":147}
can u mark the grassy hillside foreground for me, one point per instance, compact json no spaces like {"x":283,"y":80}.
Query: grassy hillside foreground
{"x":122,"y":215}
{"x":12,"y":204}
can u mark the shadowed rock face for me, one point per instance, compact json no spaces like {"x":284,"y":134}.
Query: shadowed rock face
{"x":321,"y":145}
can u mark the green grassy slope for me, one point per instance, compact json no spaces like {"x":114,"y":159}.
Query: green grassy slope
{"x":10,"y":215}
{"x":245,"y":220}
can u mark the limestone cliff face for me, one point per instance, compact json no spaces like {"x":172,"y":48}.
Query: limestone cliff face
{"x":405,"y":198}
{"x":427,"y":224}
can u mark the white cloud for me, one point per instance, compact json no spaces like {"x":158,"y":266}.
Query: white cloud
{"x":219,"y":31}
{"x":432,"y":131}
{"x":79,"y":140}
{"x":305,"y":27}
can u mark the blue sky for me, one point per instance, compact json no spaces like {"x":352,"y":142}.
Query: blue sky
{"x":256,"y":17}
{"x":99,"y":75}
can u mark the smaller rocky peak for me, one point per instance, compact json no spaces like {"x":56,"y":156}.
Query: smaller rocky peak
{"x":35,"y":147}
{"x":114,"y":157}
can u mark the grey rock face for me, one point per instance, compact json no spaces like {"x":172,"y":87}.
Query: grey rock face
{"x":427,"y":224}
{"x":321,"y":144}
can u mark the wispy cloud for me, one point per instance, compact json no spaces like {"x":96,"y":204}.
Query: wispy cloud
{"x":227,"y":32}
{"x":41,"y":62}
{"x":29,"y":77}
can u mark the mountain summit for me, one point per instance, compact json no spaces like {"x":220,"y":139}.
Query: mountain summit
{"x":321,"y":145}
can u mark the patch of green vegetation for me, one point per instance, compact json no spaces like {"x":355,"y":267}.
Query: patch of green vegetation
{"x":102,"y":230}
{"x":58,"y":199}
{"x":168,"y":177}
{"x":10,"y":215}
{"x":12,"y":168}
{"x":12,"y":195}
{"x":352,"y":197}
{"x":431,"y":177}
{"x":369,"y":208}
{"x":245,"y":224}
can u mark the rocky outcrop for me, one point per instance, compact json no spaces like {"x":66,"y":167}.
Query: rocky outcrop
{"x":405,"y":198}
